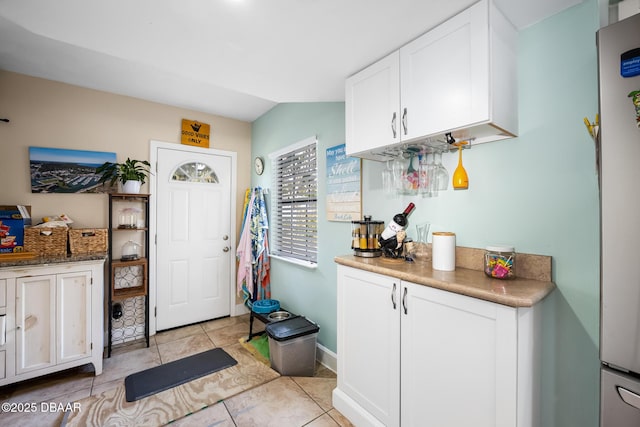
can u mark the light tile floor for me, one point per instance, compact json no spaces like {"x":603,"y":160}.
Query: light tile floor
{"x":284,"y":401}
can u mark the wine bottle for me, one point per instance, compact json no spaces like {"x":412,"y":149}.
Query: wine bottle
{"x":398,"y":223}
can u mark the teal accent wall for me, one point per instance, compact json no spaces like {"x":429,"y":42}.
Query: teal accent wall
{"x":538,"y":192}
{"x":311,"y":292}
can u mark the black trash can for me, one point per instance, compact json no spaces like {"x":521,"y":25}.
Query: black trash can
{"x":292,"y":346}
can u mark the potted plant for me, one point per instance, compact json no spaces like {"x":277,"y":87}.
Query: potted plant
{"x":132,"y":174}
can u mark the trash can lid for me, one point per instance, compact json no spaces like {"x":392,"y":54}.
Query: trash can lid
{"x":291,"y":328}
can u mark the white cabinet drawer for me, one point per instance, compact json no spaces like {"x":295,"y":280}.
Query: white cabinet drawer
{"x":3,"y":292}
{"x":3,"y":329}
{"x":3,"y":363}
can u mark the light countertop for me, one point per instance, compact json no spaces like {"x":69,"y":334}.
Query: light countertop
{"x":468,"y":277}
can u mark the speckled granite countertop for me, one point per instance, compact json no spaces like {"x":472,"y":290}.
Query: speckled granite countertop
{"x":532,"y":284}
{"x":47,"y":260}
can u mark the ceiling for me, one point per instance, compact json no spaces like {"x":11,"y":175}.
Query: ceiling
{"x":233,"y":58}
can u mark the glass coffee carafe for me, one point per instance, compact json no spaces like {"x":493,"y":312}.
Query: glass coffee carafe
{"x":422,"y":250}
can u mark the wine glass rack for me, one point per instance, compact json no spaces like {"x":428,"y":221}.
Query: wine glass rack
{"x":427,"y":146}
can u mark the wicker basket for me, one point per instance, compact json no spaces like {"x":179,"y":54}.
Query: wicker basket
{"x":87,"y":240}
{"x":46,"y":241}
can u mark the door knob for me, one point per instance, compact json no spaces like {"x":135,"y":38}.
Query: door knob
{"x":225,"y":237}
{"x":226,"y":249}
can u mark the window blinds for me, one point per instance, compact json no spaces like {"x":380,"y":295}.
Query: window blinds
{"x":295,"y":202}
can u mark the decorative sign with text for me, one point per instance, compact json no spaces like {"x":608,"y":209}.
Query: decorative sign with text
{"x":195,"y":133}
{"x":344,"y":187}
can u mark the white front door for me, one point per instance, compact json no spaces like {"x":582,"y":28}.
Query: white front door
{"x":194,"y":243}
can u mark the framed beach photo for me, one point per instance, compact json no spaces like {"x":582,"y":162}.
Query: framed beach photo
{"x":58,"y":170}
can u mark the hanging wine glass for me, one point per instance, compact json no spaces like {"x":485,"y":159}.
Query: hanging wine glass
{"x":460,"y":177}
{"x":423,"y":176}
{"x":433,"y":177}
{"x":387,"y":178}
{"x":426,"y":174}
{"x":442,"y":175}
{"x":397,"y":171}
{"x":411,"y":176}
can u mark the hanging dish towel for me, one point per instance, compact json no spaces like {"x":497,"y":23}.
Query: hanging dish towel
{"x":253,"y":280}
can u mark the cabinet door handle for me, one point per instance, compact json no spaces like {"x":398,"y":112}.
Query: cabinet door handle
{"x":393,"y":124}
{"x":404,"y":300}
{"x":629,"y":397}
{"x":393,"y":296}
{"x":404,"y":120}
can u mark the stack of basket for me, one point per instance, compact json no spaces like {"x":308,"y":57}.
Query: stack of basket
{"x":52,"y":241}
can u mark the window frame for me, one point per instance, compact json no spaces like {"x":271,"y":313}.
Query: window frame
{"x":301,"y":250}
{"x":184,"y":170}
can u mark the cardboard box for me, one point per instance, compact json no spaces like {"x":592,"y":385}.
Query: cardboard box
{"x":13,"y":218}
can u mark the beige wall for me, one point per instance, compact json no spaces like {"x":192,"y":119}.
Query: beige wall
{"x":44,"y":113}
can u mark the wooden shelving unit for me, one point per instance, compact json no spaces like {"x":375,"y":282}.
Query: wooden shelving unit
{"x":139,"y":233}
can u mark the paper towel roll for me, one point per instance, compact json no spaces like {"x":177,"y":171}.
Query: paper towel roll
{"x":444,"y":250}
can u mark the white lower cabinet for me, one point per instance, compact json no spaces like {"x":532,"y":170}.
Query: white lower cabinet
{"x":54,"y":319}
{"x":35,"y":322}
{"x":412,"y":355}
{"x":368,"y":391}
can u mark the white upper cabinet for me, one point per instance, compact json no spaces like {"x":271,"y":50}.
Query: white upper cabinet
{"x":372,"y":106}
{"x":460,"y":77}
{"x":445,"y":75}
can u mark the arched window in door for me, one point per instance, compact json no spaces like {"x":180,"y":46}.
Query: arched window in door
{"x":194,"y":172}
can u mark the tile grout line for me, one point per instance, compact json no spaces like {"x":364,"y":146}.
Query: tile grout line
{"x":314,"y":401}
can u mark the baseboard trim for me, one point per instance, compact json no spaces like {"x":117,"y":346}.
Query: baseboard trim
{"x":327,"y":358}
{"x":353,"y":411}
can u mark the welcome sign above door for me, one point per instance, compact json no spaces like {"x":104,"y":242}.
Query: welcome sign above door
{"x":195,"y":133}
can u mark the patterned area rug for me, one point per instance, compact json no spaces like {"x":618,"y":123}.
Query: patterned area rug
{"x":110,"y":408}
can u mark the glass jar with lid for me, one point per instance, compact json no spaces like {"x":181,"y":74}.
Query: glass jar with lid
{"x":128,"y":218}
{"x":130,"y":251}
{"x":500,"y":262}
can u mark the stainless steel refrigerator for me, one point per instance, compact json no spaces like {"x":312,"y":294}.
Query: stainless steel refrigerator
{"x":619,"y":90}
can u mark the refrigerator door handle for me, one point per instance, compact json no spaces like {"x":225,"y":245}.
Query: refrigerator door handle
{"x":629,"y":397}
